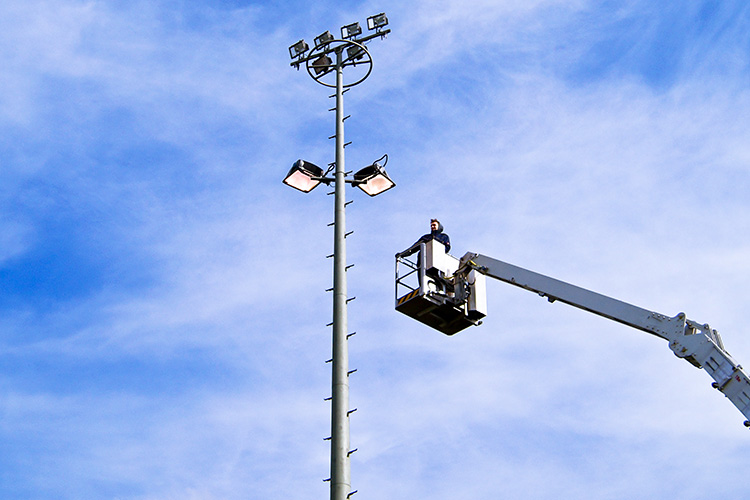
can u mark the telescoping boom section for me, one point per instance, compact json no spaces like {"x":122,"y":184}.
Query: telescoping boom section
{"x":449,"y":295}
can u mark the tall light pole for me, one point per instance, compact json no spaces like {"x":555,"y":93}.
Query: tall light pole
{"x":332,"y":55}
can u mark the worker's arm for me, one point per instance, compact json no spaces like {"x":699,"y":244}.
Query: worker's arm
{"x":414,"y":248}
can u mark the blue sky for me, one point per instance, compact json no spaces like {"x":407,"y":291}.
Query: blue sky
{"x":162,"y":300}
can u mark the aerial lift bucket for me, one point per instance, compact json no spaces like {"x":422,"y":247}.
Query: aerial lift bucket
{"x":426,"y":292}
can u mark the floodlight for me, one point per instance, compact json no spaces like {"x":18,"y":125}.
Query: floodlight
{"x":304,"y":176}
{"x":298,"y":49}
{"x":377,"y":21}
{"x":373,"y":179}
{"x":355,"y":52}
{"x":350,"y":31}
{"x":322,"y":65}
{"x":323,"y":39}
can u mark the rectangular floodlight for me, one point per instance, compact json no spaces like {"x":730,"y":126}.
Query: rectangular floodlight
{"x":377,"y":21}
{"x":350,"y":31}
{"x":323,"y":39}
{"x":322,"y":65}
{"x":373,"y":180}
{"x":355,"y":52}
{"x":298,"y":49}
{"x":304,"y":176}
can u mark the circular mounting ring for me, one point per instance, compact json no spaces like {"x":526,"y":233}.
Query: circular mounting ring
{"x":335,"y":47}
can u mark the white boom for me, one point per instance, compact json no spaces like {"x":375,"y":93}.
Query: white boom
{"x":452,"y":306}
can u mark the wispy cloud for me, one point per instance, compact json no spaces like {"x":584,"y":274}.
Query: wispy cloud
{"x":163,"y":307}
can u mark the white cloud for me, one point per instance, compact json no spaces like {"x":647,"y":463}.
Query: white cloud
{"x":206,"y":379}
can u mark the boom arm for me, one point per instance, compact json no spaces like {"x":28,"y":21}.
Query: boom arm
{"x":697,"y":343}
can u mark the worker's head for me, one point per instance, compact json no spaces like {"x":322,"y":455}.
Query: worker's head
{"x":435,"y":225}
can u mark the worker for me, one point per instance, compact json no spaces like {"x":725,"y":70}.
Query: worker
{"x":436,"y":233}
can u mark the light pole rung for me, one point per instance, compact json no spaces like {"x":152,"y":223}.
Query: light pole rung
{"x":334,"y":95}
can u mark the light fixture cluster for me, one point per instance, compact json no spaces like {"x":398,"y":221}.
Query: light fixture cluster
{"x":306,"y":176}
{"x":372,"y":179}
{"x":352,"y":32}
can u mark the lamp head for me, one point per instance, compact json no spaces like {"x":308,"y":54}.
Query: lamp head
{"x":298,"y":49}
{"x":304,"y":176}
{"x":355,"y":52}
{"x":322,"y":65}
{"x":323,"y":39}
{"x":351,"y":31}
{"x":373,"y":180}
{"x":377,"y":21}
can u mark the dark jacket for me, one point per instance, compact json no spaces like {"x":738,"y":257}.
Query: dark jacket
{"x":437,"y":234}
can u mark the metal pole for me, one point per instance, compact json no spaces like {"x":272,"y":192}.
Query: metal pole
{"x":340,"y":469}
